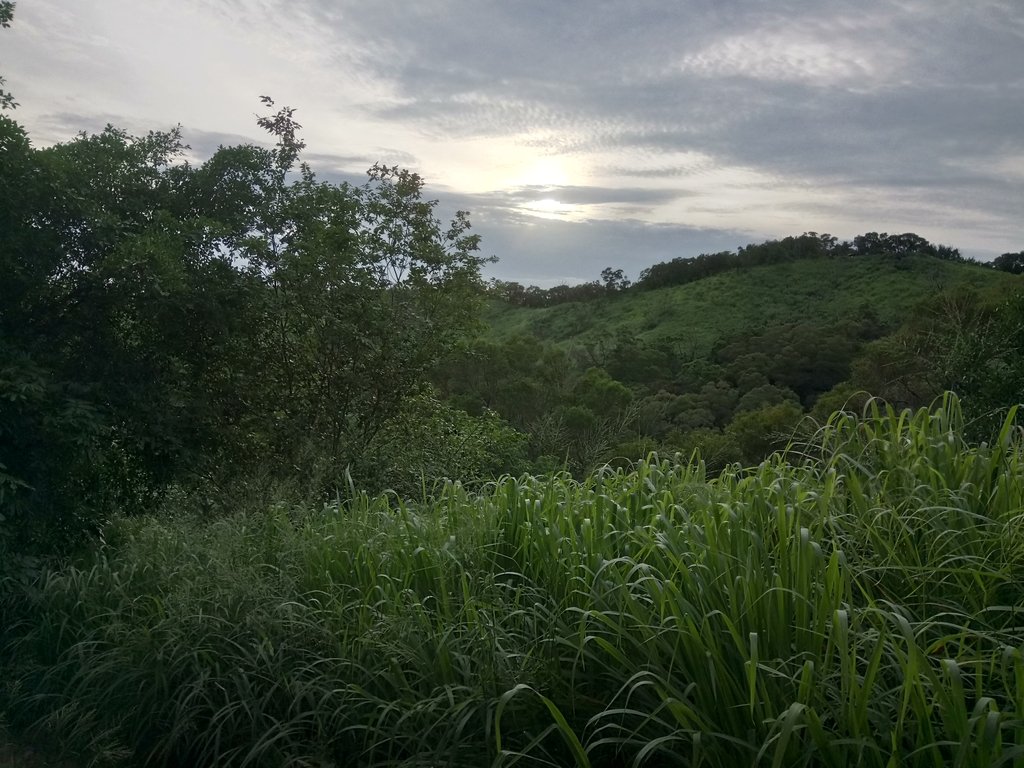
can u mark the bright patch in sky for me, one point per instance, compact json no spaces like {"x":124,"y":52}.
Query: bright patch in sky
{"x":541,"y":172}
{"x":548,"y":208}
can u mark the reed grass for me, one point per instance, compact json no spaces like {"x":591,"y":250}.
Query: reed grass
{"x":855,"y":601}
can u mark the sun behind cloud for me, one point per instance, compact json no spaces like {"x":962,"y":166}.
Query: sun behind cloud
{"x":549,"y":208}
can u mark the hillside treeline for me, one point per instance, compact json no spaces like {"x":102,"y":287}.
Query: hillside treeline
{"x":682,"y":270}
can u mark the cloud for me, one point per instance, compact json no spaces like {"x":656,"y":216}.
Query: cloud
{"x":672,"y":118}
{"x":581,"y":195}
{"x":777,"y":58}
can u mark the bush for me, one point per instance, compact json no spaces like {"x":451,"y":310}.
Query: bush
{"x":430,"y":442}
{"x":758,"y":433}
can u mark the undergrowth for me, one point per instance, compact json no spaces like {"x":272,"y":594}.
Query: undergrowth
{"x":855,"y":601}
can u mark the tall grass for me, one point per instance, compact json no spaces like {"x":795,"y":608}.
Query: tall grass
{"x":855,"y":602}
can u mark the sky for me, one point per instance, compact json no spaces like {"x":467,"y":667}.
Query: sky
{"x":580,"y":134}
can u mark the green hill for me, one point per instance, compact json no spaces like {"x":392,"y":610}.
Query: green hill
{"x":730,"y":363}
{"x":824,"y":291}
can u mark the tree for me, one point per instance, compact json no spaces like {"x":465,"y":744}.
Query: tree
{"x":960,"y":340}
{"x":522,"y":379}
{"x":715,"y":448}
{"x":510,"y":292}
{"x":364,"y":290}
{"x":758,"y":433}
{"x":118,"y":312}
{"x":906,"y":244}
{"x":1010,"y":262}
{"x":614,"y":280}
{"x":601,"y":393}
{"x":428,"y":441}
{"x":167,"y":323}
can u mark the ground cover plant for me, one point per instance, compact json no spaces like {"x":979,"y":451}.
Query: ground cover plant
{"x":852,"y":602}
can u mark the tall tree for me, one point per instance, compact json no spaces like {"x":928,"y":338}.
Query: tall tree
{"x":614,"y":280}
{"x":367,"y":290}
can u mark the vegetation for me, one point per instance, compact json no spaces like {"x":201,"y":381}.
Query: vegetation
{"x":271,"y":494}
{"x":6,"y":14}
{"x":698,"y":314}
{"x":169,"y":325}
{"x":682,"y":270}
{"x":853,"y":602}
{"x":728,"y":363}
{"x":1010,"y":262}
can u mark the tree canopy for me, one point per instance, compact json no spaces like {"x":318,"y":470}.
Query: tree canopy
{"x":1010,"y":262}
{"x":162,"y":321}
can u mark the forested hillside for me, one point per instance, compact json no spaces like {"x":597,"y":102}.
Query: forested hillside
{"x":744,"y":299}
{"x":731,"y":360}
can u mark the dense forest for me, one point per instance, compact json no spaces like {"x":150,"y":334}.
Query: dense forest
{"x":285,"y":481}
{"x":731,"y":363}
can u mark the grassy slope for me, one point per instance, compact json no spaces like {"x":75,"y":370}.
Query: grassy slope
{"x":726,"y":305}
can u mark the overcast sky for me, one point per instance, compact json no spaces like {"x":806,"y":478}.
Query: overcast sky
{"x":581,"y":133}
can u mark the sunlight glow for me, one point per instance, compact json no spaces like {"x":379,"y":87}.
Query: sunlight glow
{"x":541,"y":172}
{"x":548,"y":208}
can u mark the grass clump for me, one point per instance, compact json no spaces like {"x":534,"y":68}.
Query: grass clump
{"x":855,"y":602}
